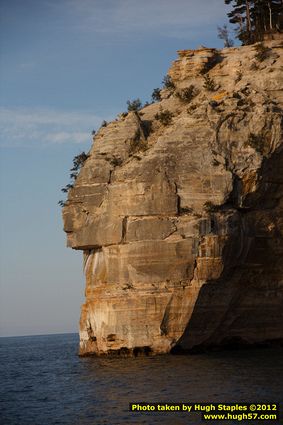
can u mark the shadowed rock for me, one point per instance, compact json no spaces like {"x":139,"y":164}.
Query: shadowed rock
{"x":181,"y":226}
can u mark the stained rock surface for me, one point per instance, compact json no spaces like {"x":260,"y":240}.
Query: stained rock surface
{"x":181,"y":222}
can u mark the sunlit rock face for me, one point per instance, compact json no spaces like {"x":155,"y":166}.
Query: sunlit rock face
{"x":181,"y":224}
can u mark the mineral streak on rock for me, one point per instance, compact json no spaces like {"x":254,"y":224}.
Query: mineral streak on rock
{"x":181,"y":225}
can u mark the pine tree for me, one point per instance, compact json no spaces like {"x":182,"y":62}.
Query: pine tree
{"x":241,"y":15}
{"x":256,"y":18}
{"x":276,"y":13}
{"x":223,"y":34}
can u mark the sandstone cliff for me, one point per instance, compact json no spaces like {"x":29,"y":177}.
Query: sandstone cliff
{"x":178,"y":211}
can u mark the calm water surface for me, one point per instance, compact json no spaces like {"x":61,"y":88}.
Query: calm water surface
{"x":44,"y":382}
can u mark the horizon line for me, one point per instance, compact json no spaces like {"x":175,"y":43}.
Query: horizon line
{"x":29,"y":335}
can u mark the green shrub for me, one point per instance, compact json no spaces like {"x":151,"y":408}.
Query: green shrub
{"x":156,"y":97}
{"x":134,"y":105}
{"x":74,"y":175}
{"x":67,"y":188}
{"x":209,"y":84}
{"x":164,"y":116}
{"x":104,"y":124}
{"x":187,"y":94}
{"x":168,"y":83}
{"x":78,"y":163}
{"x":263,"y":52}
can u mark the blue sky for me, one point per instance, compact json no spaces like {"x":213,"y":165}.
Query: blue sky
{"x":66,"y":65}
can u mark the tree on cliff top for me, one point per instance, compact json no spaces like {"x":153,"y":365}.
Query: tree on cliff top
{"x":78,"y":163}
{"x":223,"y":34}
{"x":254,"y":18}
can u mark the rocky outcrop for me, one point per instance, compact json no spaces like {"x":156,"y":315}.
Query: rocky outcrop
{"x":180,"y":221}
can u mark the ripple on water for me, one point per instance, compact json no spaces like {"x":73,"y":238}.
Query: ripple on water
{"x":44,"y":382}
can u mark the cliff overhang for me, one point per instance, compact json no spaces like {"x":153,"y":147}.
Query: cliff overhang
{"x":180,"y":220}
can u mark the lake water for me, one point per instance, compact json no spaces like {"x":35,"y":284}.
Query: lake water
{"x":44,"y":382}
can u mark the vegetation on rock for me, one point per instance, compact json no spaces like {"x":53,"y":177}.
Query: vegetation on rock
{"x":263,"y":52}
{"x":156,"y":97}
{"x":209,"y":84}
{"x":164,"y":116}
{"x":78,"y":163}
{"x":168,"y":83}
{"x":255,"y":18}
{"x":223,"y":34}
{"x":134,"y":105}
{"x":173,"y":218}
{"x":187,"y":94}
{"x":104,"y":124}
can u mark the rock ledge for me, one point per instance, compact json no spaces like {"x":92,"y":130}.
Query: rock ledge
{"x":181,"y":224}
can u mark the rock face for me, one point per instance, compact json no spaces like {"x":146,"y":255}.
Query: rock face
{"x":180,"y":221}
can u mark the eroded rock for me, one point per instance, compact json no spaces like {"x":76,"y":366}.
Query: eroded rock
{"x":181,"y":226}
